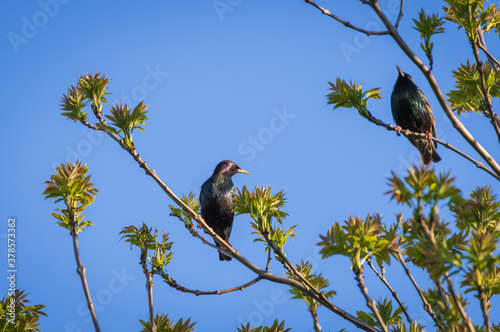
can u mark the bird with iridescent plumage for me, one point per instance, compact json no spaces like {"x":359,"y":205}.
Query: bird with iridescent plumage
{"x":411,"y":111}
{"x":216,"y":199}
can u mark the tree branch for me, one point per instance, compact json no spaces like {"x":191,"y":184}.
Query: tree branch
{"x":81,"y":272}
{"x":400,"y":15}
{"x":172,"y":283}
{"x":427,"y":306}
{"x":460,"y":308}
{"x":489,"y":109}
{"x":314,"y":314}
{"x":347,"y":24}
{"x":369,"y":302}
{"x":408,"y":133}
{"x":495,"y":64}
{"x":394,"y":294}
{"x":435,"y":88}
{"x":484,"y":308}
{"x":149,"y":288}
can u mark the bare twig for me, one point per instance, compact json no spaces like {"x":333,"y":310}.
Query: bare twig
{"x":369,"y":302}
{"x":393,"y":292}
{"x":495,"y":64}
{"x":427,"y":306}
{"x":314,"y":314}
{"x":460,"y":308}
{"x":400,"y":15}
{"x":435,"y":88}
{"x":347,"y":24}
{"x":408,"y":133}
{"x":81,"y":272}
{"x":484,"y":309}
{"x":149,"y":288}
{"x":489,"y":109}
{"x":172,"y":283}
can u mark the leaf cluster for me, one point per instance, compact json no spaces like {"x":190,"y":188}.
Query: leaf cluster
{"x":265,"y":211}
{"x":468,"y":95}
{"x":71,"y":185}
{"x":479,"y":216}
{"x":192,"y":202}
{"x":91,"y":90}
{"x":471,"y":15}
{"x":351,"y":96}
{"x":318,"y":281}
{"x":427,"y":240}
{"x":358,"y":239}
{"x":428,"y":26}
{"x":27,"y":316}
{"x":146,"y":240}
{"x":276,"y":327}
{"x":164,"y":324}
{"x":126,"y":120}
{"x":389,"y":317}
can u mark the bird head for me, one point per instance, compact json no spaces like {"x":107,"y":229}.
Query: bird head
{"x":404,"y":76}
{"x":228,"y":168}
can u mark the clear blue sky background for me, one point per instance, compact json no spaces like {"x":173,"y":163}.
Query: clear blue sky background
{"x":215,"y":82}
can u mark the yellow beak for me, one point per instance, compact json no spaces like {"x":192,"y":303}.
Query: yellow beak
{"x":242,"y":171}
{"x":399,"y":70}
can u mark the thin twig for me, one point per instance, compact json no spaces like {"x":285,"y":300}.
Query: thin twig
{"x":495,"y":64}
{"x":460,"y":308}
{"x":408,"y":133}
{"x":369,"y":302}
{"x":172,"y":283}
{"x":149,"y":288}
{"x":400,"y":15}
{"x":288,"y":265}
{"x":393,"y":292}
{"x":230,"y":250}
{"x":427,"y":306}
{"x":435,"y":88}
{"x":347,"y":24}
{"x":484,"y":309}
{"x":482,"y":79}
{"x":314,"y":314}
{"x":81,"y":272}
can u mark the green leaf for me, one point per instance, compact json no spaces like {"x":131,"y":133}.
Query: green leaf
{"x":351,"y":96}
{"x":71,"y":185}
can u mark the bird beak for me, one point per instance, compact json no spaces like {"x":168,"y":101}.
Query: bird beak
{"x":242,"y":171}
{"x":399,"y":70}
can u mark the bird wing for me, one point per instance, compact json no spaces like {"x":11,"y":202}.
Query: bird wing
{"x":205,"y":195}
{"x":431,"y":116}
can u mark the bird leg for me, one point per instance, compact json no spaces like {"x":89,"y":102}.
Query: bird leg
{"x":398,"y":130}
{"x":428,"y":135}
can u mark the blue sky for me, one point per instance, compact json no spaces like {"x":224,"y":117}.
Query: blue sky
{"x":246,"y":84}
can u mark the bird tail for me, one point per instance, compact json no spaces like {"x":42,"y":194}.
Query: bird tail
{"x":223,"y":257}
{"x":427,"y":150}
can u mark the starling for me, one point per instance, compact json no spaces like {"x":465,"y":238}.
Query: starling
{"x":216,"y":199}
{"x":411,"y":111}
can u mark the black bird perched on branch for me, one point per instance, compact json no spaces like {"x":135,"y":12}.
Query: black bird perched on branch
{"x":216,"y":199}
{"x":411,"y":111}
